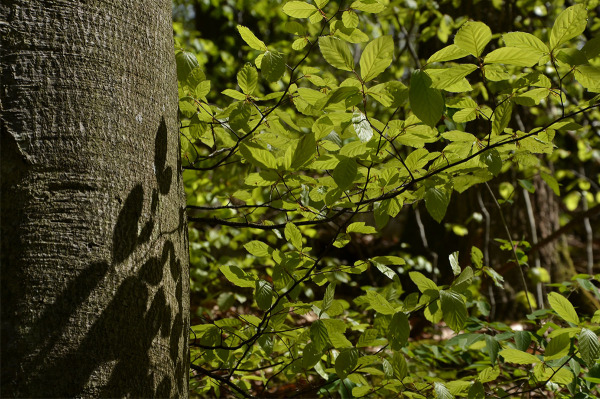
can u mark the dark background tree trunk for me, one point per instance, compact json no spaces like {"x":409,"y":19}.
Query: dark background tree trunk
{"x":94,"y":266}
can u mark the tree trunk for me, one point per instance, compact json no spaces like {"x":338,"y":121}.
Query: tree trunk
{"x":94,"y":264}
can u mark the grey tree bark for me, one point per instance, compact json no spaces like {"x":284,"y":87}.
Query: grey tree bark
{"x":94,"y":262}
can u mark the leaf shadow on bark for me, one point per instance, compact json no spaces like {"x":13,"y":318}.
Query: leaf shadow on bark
{"x":125,"y":332}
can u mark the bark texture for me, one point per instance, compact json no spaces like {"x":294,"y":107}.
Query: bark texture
{"x":94,"y":264}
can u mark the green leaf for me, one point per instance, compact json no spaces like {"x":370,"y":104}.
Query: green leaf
{"x":447,"y":77}
{"x":258,"y":155}
{"x":299,"y":9}
{"x":310,"y":355}
{"x":502,"y":115}
{"x":518,"y":357}
{"x":522,"y":340}
{"x":570,"y":23}
{"x":399,"y":365}
{"x":250,"y":39}
{"x":272,"y":66}
{"x":448,"y":53}
{"x":258,"y":248}
{"x":473,"y":37}
{"x":362,"y":127}
{"x":234,"y":94}
{"x":293,"y":235}
{"x":589,"y":347}
{"x":563,"y":307}
{"x":454,"y":310}
{"x":376,"y":57}
{"x":186,"y":63}
{"x":359,"y":227}
{"x":263,"y":294}
{"x":462,"y":282}
{"x":493,"y":161}
{"x":477,"y":391}
{"x":436,"y":202}
{"x":379,"y":303}
{"x":426,"y":103}
{"x":345,"y":172}
{"x":513,"y":56}
{"x":237,"y":276}
{"x":398,"y":332}
{"x":422,"y":282}
{"x":304,"y":151}
{"x":346,"y":362}
{"x":350,"y":19}
{"x":493,"y":347}
{"x":319,"y":335}
{"x":453,"y":257}
{"x":247,"y":79}
{"x":336,"y":53}
{"x":525,"y":41}
{"x":488,"y":374}
{"x":239,"y":116}
{"x":589,"y":77}
{"x":441,"y":392}
{"x":558,"y":347}
{"x":328,"y":297}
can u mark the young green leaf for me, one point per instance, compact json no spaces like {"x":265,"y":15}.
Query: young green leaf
{"x":350,"y":19}
{"x":336,"y":53}
{"x":272,"y":66}
{"x":441,"y":392}
{"x":525,"y":41}
{"x":299,"y":9}
{"x":454,"y":310}
{"x":398,"y":331}
{"x":319,"y":335}
{"x":304,"y":151}
{"x":570,"y":23}
{"x":493,"y":347}
{"x":453,"y":257}
{"x":436,"y":202}
{"x":346,"y":362}
{"x":473,"y":37}
{"x":522,"y":340}
{"x":263,"y":294}
{"x":513,"y":56}
{"x":489,"y":374}
{"x":379,"y":303}
{"x":328,"y":297}
{"x":426,"y":102}
{"x":237,"y":276}
{"x":589,"y":347}
{"x":310,"y":356}
{"x":558,"y":347}
{"x":376,"y":57}
{"x":399,"y":365}
{"x":293,"y":235}
{"x":247,"y":78}
{"x":186,"y":62}
{"x":422,"y":282}
{"x":345,"y":172}
{"x":362,"y":127}
{"x":258,"y":248}
{"x":447,"y":77}
{"x":518,"y":357}
{"x":258,"y":155}
{"x":250,"y":39}
{"x":448,"y":53}
{"x":477,"y":391}
{"x":359,"y":227}
{"x":563,"y":307}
